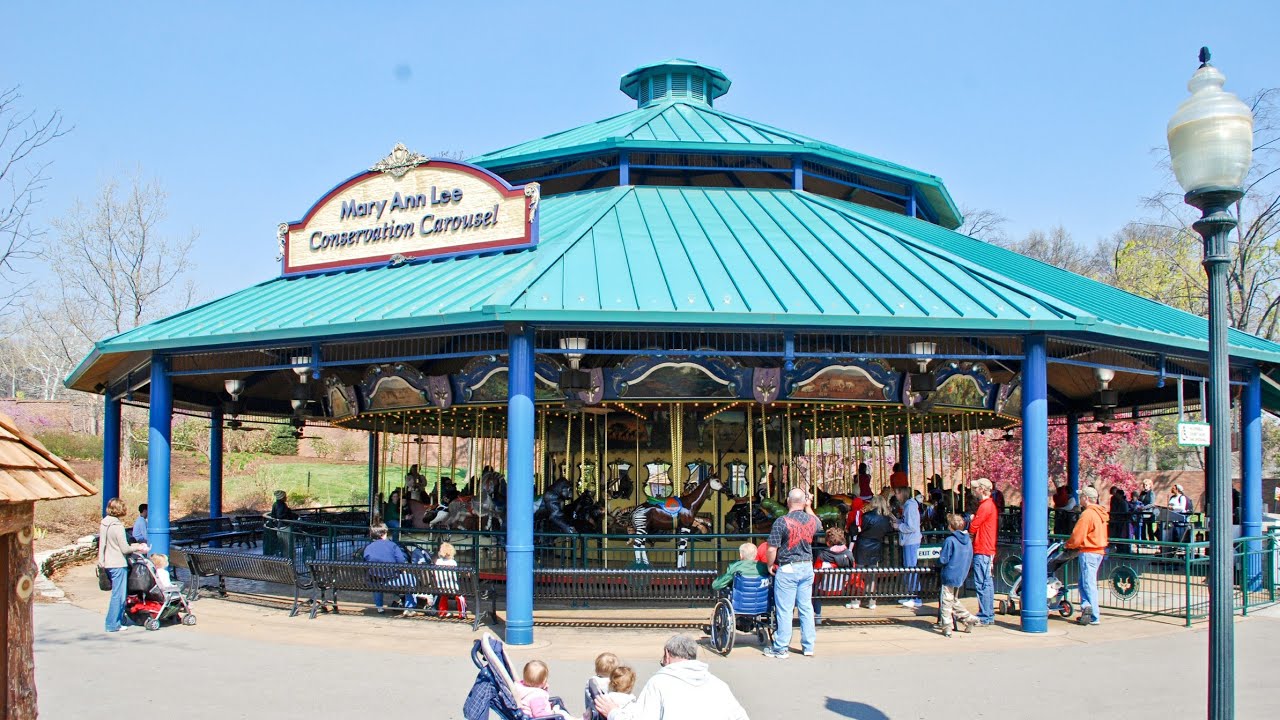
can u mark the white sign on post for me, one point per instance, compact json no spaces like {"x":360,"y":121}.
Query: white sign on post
{"x":1193,"y":434}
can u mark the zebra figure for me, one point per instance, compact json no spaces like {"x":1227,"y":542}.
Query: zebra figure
{"x":674,"y":515}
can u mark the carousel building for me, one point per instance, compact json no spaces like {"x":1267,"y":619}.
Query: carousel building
{"x":685,"y":289}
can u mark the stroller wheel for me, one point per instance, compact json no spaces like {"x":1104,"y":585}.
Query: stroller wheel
{"x":152,"y":624}
{"x":1002,"y":607}
{"x":1064,"y":609}
{"x":188,"y":620}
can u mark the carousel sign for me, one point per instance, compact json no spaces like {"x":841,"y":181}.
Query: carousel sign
{"x":409,"y":206}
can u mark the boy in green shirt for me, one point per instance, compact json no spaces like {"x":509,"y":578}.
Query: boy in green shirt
{"x":745,"y":565}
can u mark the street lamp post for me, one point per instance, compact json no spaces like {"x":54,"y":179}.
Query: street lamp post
{"x":1210,"y":147}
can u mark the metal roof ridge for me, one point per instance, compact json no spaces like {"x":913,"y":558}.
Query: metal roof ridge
{"x":507,"y":293}
{"x":1079,"y":315}
{"x":645,"y":115}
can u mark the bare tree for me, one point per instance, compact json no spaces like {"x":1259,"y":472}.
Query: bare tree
{"x":985,"y":225}
{"x":1253,"y":278}
{"x":22,"y":135}
{"x":1059,"y":249}
{"x":115,"y":267}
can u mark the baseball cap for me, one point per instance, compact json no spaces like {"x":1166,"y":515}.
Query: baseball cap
{"x":1090,"y":492}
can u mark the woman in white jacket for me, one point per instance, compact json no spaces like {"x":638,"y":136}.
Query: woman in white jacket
{"x":684,"y":689}
{"x":113,"y":549}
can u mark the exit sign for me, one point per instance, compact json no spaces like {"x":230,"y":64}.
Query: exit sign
{"x":1195,"y":434}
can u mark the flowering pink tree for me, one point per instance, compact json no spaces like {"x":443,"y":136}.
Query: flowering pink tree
{"x":1001,"y":461}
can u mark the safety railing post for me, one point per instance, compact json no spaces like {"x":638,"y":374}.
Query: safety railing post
{"x":1186,"y":576}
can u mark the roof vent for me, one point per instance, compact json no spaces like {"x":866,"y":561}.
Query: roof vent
{"x":675,"y":80}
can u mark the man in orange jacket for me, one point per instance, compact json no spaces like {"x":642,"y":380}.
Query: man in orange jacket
{"x":1090,"y":538}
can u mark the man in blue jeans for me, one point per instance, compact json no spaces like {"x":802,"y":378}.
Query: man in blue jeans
{"x":983,"y":529}
{"x":791,"y":561}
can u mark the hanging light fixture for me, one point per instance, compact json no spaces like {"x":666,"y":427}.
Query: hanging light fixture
{"x":302,"y":366}
{"x":923,"y":381}
{"x":572,"y":379}
{"x":233,"y":386}
{"x":1105,"y":397}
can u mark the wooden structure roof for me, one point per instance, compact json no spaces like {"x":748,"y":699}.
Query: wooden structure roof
{"x":29,"y":472}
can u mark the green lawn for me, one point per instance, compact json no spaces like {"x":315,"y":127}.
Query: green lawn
{"x":317,"y":483}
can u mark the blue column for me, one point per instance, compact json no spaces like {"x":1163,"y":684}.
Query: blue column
{"x":160,"y":422}
{"x":624,"y":168}
{"x":1035,"y":484}
{"x":1073,"y":455}
{"x":110,"y":450}
{"x":1251,"y":473}
{"x":215,"y":462}
{"x":520,"y":436}
{"x":797,"y":174}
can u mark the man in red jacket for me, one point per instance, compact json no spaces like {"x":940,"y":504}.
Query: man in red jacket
{"x":983,"y":529}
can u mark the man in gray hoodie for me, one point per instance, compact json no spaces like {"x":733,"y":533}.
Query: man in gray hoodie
{"x":684,"y":689}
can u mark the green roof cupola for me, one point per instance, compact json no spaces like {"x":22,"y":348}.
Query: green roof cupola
{"x":676,"y":79}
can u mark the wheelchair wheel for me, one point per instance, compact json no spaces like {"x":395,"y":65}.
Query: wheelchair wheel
{"x":1064,"y":608}
{"x":723,"y":628}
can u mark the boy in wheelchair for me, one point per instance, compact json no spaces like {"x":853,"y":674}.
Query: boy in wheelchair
{"x":745,"y":566}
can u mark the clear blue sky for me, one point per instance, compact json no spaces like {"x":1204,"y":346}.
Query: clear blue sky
{"x":1046,"y":112}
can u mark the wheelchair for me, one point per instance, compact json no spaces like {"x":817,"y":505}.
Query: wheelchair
{"x":748,"y":608}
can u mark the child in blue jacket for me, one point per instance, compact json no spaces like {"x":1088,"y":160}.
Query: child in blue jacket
{"x":956,"y":558}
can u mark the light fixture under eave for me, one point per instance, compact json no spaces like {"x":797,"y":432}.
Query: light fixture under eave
{"x":234,"y":387}
{"x":570,"y":344}
{"x":1106,"y":397}
{"x":924,"y":381}
{"x":301,"y":366}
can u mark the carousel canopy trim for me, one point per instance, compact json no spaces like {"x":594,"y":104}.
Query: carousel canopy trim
{"x":695,"y":256}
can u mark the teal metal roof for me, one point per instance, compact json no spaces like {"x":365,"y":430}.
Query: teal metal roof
{"x":1123,"y":314}
{"x":716,"y":79}
{"x":678,"y":126}
{"x":696,"y":256}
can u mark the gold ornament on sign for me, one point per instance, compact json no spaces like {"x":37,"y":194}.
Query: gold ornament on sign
{"x":400,"y":162}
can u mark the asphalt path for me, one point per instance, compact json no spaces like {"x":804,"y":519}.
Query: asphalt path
{"x":199,"y":673}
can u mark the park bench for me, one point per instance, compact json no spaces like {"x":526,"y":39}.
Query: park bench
{"x":334,"y":576}
{"x":890,"y":583}
{"x":198,"y":533}
{"x":580,"y":585}
{"x":223,"y":564}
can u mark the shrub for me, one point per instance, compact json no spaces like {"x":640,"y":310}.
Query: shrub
{"x":68,"y":445}
{"x":321,"y":447}
{"x":347,"y":448}
{"x":283,"y":442}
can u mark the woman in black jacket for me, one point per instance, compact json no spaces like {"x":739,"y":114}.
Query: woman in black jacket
{"x":876,"y":524}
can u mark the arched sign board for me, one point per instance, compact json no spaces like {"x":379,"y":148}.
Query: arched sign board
{"x":408,"y":206}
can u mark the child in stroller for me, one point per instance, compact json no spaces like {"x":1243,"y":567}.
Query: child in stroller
{"x":152,"y":597}
{"x":1056,"y":590}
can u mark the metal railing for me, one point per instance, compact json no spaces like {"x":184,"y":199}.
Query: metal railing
{"x":1163,"y":578}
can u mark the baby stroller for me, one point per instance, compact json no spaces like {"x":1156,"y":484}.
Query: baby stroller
{"x":495,"y":686}
{"x":149,"y":604}
{"x":1056,"y":590}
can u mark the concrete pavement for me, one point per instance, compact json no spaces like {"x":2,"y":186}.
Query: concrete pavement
{"x":250,"y":661}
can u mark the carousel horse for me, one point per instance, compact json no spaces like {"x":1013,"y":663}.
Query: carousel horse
{"x":832,"y":509}
{"x":763,"y":511}
{"x":585,"y":514}
{"x":549,"y":510}
{"x":670,"y":515}
{"x":477,"y":512}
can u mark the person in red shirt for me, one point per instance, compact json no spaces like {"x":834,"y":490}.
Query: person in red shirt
{"x":983,"y":530}
{"x":899,"y":478}
{"x":853,"y":523}
{"x":864,"y":482}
